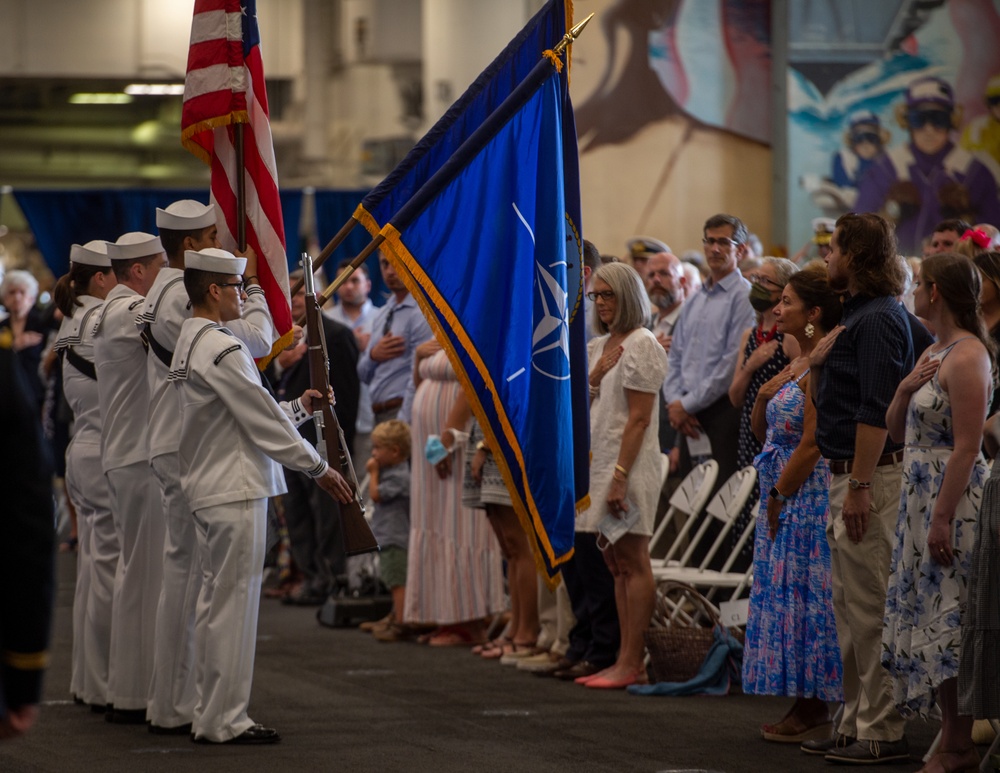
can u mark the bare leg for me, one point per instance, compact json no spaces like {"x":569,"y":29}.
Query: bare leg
{"x":635,"y":593}
{"x":521,"y":577}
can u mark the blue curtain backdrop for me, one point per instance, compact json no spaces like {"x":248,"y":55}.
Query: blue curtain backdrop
{"x":59,"y":219}
{"x":333,"y":209}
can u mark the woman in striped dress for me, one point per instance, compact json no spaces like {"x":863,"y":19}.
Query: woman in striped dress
{"x":454,"y":572}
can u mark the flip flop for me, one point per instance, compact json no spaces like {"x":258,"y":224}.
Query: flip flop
{"x":814,"y":733}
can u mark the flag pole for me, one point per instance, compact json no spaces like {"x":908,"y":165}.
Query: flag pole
{"x":333,"y":244}
{"x":241,"y":189}
{"x":362,"y":256}
{"x":566,"y":40}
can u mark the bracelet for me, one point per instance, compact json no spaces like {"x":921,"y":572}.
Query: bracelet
{"x":595,"y":391}
{"x":246,"y":279}
{"x":622,"y":470}
{"x":614,"y":476}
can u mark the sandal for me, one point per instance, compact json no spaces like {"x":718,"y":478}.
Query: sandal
{"x":958,"y":761}
{"x":495,"y":649}
{"x":785,"y":732}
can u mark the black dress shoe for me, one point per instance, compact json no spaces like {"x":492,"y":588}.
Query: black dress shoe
{"x":257,"y":734}
{"x":127,"y":716}
{"x":583,"y":668}
{"x":100,"y":708}
{"x":179,"y":730}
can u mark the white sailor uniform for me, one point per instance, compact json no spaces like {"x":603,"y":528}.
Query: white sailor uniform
{"x":124,"y":399}
{"x":97,"y":542}
{"x":173,"y":695}
{"x":233,"y":439}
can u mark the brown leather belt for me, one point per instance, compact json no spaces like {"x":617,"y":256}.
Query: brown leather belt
{"x":388,"y":405}
{"x":844,"y":466}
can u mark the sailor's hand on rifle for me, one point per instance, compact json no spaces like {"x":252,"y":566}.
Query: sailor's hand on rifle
{"x":389,"y":347}
{"x":333,"y":483}
{"x":311,"y":397}
{"x":251,"y":270}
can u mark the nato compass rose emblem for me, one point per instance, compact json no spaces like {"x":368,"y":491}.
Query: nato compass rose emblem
{"x":550,"y":341}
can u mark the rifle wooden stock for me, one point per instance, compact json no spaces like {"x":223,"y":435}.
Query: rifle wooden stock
{"x":358,"y":536}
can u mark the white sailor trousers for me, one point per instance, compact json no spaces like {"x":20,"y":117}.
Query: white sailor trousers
{"x":174,"y":695}
{"x":231,"y":539}
{"x":139,"y":524}
{"x":87,"y":489}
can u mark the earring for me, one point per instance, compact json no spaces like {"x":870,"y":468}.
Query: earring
{"x":810,"y":330}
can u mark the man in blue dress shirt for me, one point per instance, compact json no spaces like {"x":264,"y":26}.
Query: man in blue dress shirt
{"x":387,"y":364}
{"x":703,"y":352}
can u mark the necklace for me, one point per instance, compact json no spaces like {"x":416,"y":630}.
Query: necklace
{"x":762,"y":337}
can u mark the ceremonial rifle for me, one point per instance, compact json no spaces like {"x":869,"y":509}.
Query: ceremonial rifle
{"x":358,"y":536}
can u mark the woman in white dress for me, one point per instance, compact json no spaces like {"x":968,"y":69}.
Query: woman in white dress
{"x":627,"y":371}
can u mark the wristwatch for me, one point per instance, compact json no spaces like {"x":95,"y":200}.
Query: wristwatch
{"x":775,"y":494}
{"x":856,"y":484}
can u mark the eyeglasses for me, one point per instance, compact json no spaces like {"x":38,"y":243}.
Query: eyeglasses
{"x":939,"y":119}
{"x":765,"y":280}
{"x":871,"y":137}
{"x":604,"y":295}
{"x":722,"y":241}
{"x":237,"y":285}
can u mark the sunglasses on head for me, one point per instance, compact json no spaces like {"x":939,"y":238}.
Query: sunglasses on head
{"x":939,"y":119}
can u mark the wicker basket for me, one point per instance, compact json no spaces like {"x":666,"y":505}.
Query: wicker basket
{"x":677,"y":651}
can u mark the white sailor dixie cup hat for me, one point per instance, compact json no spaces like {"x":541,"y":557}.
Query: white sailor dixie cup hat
{"x":215,"y":260}
{"x":185,"y":215}
{"x":93,"y":253}
{"x":135,"y":244}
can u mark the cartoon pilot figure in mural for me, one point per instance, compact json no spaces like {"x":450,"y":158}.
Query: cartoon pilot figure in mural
{"x":983,"y":133}
{"x":930,"y":178}
{"x":864,"y":141}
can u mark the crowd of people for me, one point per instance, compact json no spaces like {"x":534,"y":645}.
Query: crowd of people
{"x":858,"y":383}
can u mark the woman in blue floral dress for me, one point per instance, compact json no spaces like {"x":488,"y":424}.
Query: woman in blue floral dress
{"x":791,"y":637}
{"x":940,"y":409}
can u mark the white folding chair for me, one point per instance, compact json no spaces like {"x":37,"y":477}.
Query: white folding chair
{"x":724,"y":509}
{"x":688,"y":500}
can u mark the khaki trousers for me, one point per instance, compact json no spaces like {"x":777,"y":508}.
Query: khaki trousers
{"x":860,"y":578}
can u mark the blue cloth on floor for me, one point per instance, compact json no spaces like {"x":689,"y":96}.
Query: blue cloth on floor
{"x":722,"y":663}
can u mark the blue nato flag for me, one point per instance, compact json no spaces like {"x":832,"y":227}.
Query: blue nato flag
{"x":491,"y":249}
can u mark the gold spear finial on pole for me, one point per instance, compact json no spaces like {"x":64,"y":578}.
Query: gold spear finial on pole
{"x":571,"y":35}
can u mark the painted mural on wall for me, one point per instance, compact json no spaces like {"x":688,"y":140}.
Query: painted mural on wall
{"x":672,"y":111}
{"x":708,"y":60}
{"x":894,"y":107}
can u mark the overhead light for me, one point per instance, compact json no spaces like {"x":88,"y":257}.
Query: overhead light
{"x":97,"y":98}
{"x":155,"y":89}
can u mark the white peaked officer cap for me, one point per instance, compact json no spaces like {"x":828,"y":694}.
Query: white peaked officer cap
{"x":135,"y":244}
{"x":185,"y":215}
{"x":93,"y":253}
{"x":215,"y":260}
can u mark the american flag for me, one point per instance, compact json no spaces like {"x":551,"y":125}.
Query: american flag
{"x":225,"y":86}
